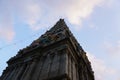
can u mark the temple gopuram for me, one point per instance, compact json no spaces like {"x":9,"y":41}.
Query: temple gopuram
{"x":55,"y":55}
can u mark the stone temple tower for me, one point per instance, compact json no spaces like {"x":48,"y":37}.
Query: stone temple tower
{"x":55,"y":55}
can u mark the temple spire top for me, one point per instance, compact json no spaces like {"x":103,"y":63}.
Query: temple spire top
{"x":61,"y":21}
{"x":60,"y":24}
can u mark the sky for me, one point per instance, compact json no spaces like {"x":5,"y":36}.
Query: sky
{"x":94,"y":23}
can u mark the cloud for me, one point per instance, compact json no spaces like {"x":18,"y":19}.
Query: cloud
{"x":6,"y":24}
{"x":101,"y":70}
{"x":7,"y":34}
{"x":75,"y":11}
{"x":112,"y":48}
{"x":39,"y":14}
{"x":29,"y":11}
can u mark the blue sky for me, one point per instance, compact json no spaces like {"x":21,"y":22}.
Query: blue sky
{"x":94,"y":23}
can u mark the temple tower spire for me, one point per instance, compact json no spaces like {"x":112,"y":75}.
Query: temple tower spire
{"x":55,"y":55}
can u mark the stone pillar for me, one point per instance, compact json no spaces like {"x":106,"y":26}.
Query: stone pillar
{"x":11,"y":74}
{"x":54,"y":65}
{"x":25,"y":71}
{"x":38,"y":68}
{"x":20,"y":72}
{"x":77,"y":72}
{"x":46,"y":67}
{"x":29,"y":71}
{"x":16,"y":72}
{"x":74,"y":71}
{"x":69,"y":67}
{"x":63,"y":63}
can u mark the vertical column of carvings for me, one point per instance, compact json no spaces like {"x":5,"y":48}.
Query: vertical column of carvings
{"x":69,"y":67}
{"x":74,"y":70}
{"x":11,"y":73}
{"x":25,"y":71}
{"x":88,"y":77}
{"x":80,"y":70}
{"x":86,"y":73}
{"x":16,"y":72}
{"x":20,"y":71}
{"x":30,"y":70}
{"x":63,"y":70}
{"x":38,"y":68}
{"x":77,"y":73}
{"x":41,"y":67}
{"x":66,"y":67}
{"x":46,"y":67}
{"x":54,"y":65}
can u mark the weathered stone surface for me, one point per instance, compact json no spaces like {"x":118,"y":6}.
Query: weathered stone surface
{"x":56,"y":55}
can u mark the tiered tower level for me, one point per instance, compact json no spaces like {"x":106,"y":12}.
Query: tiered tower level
{"x":55,"y":55}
